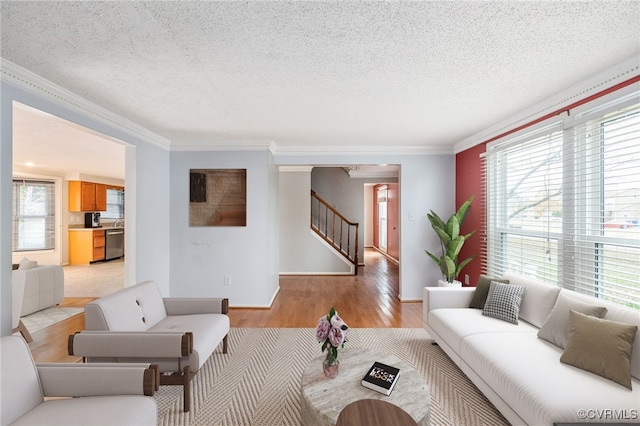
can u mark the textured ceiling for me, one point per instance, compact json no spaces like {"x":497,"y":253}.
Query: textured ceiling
{"x":301,"y":74}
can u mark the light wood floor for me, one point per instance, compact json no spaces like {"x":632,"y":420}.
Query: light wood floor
{"x":367,"y":300}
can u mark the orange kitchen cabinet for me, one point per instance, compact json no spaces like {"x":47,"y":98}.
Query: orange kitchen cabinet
{"x":86,"y":246}
{"x":87,"y":196}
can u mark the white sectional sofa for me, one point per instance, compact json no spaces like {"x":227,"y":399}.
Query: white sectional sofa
{"x":521,"y":373}
{"x":43,"y":287}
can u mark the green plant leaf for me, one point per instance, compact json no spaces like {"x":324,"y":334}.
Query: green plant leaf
{"x":433,"y":257}
{"x":453,"y":227}
{"x":463,"y":264}
{"x":448,"y":267}
{"x":453,"y":249}
{"x":436,"y":221}
{"x":444,"y":236}
{"x":466,"y":237}
{"x":461,"y":214}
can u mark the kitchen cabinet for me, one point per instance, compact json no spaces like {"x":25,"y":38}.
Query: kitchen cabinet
{"x":87,"y":196}
{"x":86,"y":246}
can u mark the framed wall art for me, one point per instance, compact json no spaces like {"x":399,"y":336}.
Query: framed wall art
{"x":218,"y":197}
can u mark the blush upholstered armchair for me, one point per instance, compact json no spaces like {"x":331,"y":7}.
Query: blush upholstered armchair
{"x":96,"y":394}
{"x":137,"y":324}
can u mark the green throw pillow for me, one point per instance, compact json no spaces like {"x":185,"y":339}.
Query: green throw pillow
{"x":600,"y":346}
{"x":482,"y":290}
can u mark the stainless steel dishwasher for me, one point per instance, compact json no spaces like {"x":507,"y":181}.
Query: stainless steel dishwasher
{"x":114,"y":244}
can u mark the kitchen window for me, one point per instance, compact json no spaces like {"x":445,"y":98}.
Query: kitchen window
{"x":115,"y":204}
{"x":563,"y":202}
{"x":33,"y":215}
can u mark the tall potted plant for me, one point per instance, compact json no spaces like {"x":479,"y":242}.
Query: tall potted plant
{"x":451,"y":242}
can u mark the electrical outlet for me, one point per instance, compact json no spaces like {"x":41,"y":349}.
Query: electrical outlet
{"x":227,"y":280}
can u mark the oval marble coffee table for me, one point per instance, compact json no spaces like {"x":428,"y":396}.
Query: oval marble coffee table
{"x":323,"y":399}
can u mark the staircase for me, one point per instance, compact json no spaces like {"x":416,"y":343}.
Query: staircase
{"x":335,"y":229}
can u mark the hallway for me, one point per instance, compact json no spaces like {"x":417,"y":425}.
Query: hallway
{"x":369,"y":299}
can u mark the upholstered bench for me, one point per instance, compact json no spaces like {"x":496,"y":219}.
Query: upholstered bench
{"x":137,"y":324}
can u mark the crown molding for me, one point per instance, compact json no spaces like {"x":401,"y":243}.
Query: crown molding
{"x":228,"y":145}
{"x":304,"y":169}
{"x":30,"y":82}
{"x":371,"y":174}
{"x":604,"y":80}
{"x":285,"y":151}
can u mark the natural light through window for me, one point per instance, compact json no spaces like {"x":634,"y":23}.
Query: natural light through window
{"x":564,"y":203}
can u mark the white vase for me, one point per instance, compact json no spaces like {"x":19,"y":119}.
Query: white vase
{"x":455,"y":283}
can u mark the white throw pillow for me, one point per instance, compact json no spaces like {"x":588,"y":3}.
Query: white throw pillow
{"x":27,"y":264}
{"x":556,"y":327}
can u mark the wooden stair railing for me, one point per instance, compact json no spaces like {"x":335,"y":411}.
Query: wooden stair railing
{"x":335,"y":229}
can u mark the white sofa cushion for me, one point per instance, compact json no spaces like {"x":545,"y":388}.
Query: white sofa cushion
{"x":208,"y":331}
{"x":135,"y":308}
{"x":538,"y":299}
{"x":129,"y":410}
{"x":453,"y":325}
{"x":527,"y":374}
{"x":556,"y":327}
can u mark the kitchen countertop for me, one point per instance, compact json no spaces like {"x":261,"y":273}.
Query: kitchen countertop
{"x":102,"y":228}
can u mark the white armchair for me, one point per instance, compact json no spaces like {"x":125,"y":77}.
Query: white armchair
{"x":84,"y":394}
{"x":137,"y":324}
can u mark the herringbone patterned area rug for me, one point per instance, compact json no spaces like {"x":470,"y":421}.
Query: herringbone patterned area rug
{"x":258,"y":381}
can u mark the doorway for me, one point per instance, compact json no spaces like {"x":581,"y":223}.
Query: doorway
{"x":46,"y":146}
{"x":386,"y":236}
{"x":381,"y":198}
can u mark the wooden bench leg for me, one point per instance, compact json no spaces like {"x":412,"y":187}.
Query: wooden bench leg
{"x":186,"y":388}
{"x":25,"y":333}
{"x":224,"y":344}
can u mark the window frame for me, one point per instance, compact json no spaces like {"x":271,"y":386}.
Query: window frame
{"x":575,"y":218}
{"x":49,"y":217}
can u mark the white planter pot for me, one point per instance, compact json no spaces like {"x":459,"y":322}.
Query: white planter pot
{"x":455,"y":283}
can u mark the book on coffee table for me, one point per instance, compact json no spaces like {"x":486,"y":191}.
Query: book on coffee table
{"x":381,"y":378}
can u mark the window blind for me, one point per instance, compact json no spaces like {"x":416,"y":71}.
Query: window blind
{"x":33,"y":215}
{"x":563,"y":203}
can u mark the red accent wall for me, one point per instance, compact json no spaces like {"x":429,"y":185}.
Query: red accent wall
{"x":469,"y":182}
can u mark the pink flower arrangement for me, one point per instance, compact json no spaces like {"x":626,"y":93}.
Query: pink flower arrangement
{"x":331,"y":331}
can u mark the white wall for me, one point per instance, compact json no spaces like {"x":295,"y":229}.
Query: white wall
{"x":149,"y":180}
{"x":427,"y":181}
{"x":301,"y":251}
{"x":202,"y":256}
